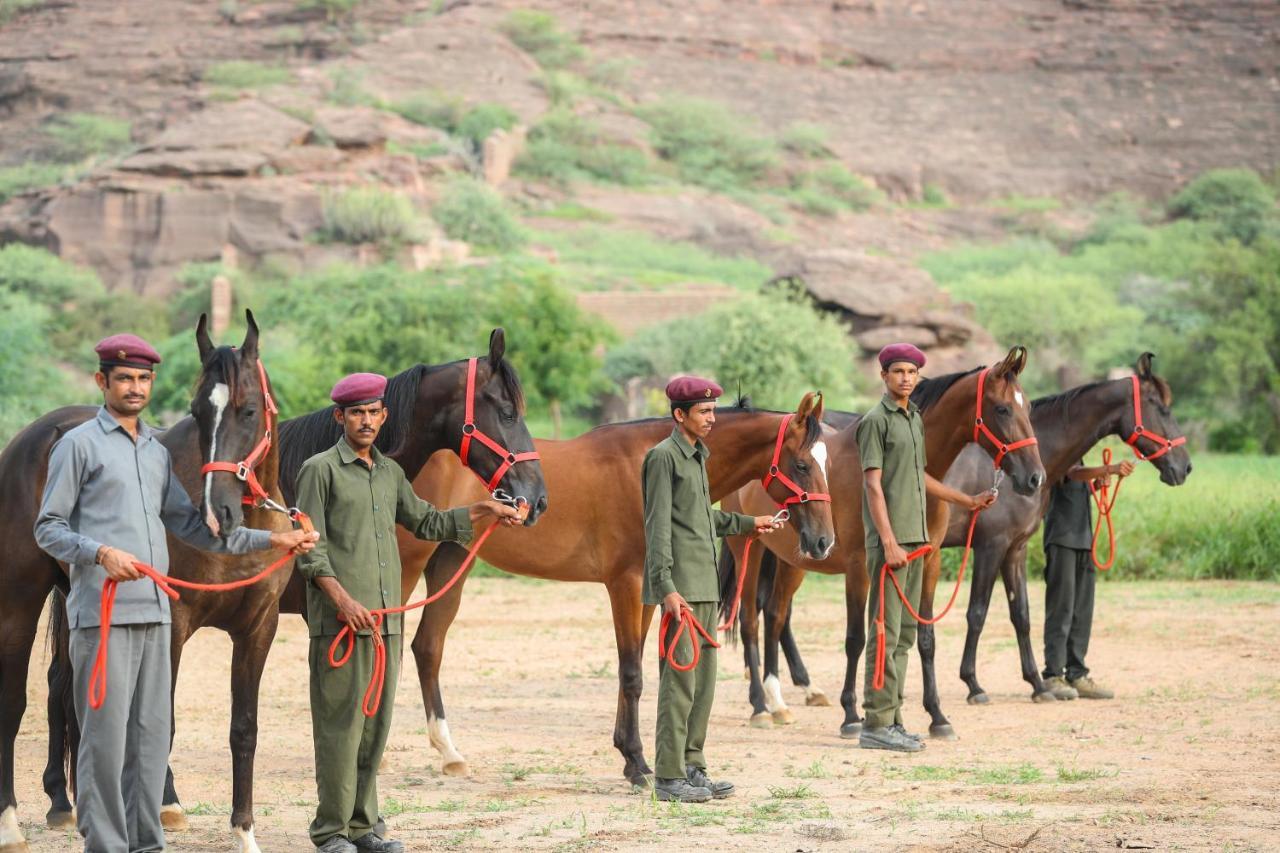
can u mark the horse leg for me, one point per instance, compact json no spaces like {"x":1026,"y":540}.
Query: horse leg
{"x":856,"y":586}
{"x":749,"y":630}
{"x":172,"y":816}
{"x":60,"y":710}
{"x":631,"y":620}
{"x":985,"y":559}
{"x":428,"y":652}
{"x":248,"y":659}
{"x":17,"y":634}
{"x":939,"y":726}
{"x":1014,"y":573}
{"x":813,"y":696}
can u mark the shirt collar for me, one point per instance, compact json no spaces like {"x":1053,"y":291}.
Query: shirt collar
{"x":685,"y":447}
{"x":347,"y":455}
{"x":891,"y":406}
{"x":108,"y":423}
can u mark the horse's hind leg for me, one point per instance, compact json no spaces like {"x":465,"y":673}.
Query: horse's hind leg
{"x":985,"y":560}
{"x":428,"y":652}
{"x":763,"y":705}
{"x":813,"y":696}
{"x":1014,"y":573}
{"x":17,"y":633}
{"x":856,"y":587}
{"x":172,"y":816}
{"x":63,"y":728}
{"x":248,"y":660}
{"x":631,"y":620}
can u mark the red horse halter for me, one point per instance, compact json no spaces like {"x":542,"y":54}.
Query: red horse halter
{"x":1139,"y":431}
{"x":980,"y":427}
{"x":258,"y":496}
{"x":470,"y":431}
{"x":798,"y":495}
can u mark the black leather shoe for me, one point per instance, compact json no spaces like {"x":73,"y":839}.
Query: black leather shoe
{"x":372,"y":842}
{"x":679,"y":791}
{"x":698,"y":778}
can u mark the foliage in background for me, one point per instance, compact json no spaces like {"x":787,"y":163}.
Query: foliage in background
{"x":564,"y":147}
{"x":539,"y":35}
{"x":30,"y":382}
{"x":774,"y":346}
{"x":708,"y":144}
{"x":29,"y":176}
{"x":78,"y":136}
{"x":471,"y":210}
{"x":1237,"y":201}
{"x":370,"y":215}
{"x":242,"y":74}
{"x":831,"y":188}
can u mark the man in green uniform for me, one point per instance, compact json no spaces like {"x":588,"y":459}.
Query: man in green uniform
{"x":680,"y":531}
{"x":891,"y":446}
{"x":355,"y":496}
{"x":1069,"y":581}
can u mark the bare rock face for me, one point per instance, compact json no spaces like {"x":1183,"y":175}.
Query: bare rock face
{"x":353,"y":127}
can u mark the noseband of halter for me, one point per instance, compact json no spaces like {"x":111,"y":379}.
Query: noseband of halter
{"x":980,"y":427}
{"x":798,"y":495}
{"x":243,"y":470}
{"x":471,"y":431}
{"x":1139,"y":431}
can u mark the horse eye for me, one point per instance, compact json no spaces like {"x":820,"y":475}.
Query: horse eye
{"x":1002,"y":410}
{"x":801,"y":466}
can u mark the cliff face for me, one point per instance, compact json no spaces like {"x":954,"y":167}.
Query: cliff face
{"x":1065,"y":98}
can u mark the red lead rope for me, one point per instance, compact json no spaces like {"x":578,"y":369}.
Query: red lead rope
{"x":689,"y":623}
{"x":1104,"y":514}
{"x":98,"y":676}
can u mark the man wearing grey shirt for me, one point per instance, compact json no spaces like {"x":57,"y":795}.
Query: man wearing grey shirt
{"x":110,"y":494}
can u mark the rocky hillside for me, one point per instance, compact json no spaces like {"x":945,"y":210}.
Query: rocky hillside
{"x":245,"y":116}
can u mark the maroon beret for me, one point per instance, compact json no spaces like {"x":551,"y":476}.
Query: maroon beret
{"x":359,"y":388}
{"x":126,"y":351}
{"x":692,"y":389}
{"x":901,"y":352}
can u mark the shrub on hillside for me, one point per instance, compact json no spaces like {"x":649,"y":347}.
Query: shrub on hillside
{"x":539,"y":34}
{"x":79,"y":136}
{"x":370,"y":215}
{"x":708,"y":144}
{"x":242,"y":74}
{"x":805,"y":140}
{"x":564,"y":147}
{"x":30,"y":382}
{"x":29,"y":176}
{"x":482,"y":120}
{"x":1237,"y":200}
{"x":476,"y":213}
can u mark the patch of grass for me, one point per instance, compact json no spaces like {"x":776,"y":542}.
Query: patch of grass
{"x":816,"y":770}
{"x":200,"y":809}
{"x":1027,"y":204}
{"x":447,"y":806}
{"x":1074,"y":774}
{"x":476,"y":213}
{"x":572,"y":211}
{"x":805,"y":140}
{"x":347,"y":88}
{"x":421,"y":150}
{"x":922,"y":772}
{"x":1015,"y":774}
{"x":708,"y":144}
{"x":539,"y":34}
{"x":370,"y":215}
{"x":830,"y":188}
{"x":564,"y":147}
{"x":482,"y":120}
{"x":242,"y":74}
{"x":30,"y":176}
{"x":391,"y":807}
{"x":451,"y":114}
{"x":334,"y":10}
{"x":79,"y":136}
{"x":934,"y":196}
{"x":9,"y":9}
{"x":798,"y":792}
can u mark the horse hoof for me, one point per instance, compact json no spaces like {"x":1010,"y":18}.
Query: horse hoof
{"x":979,"y":699}
{"x":783,"y":717}
{"x":456,"y":768}
{"x":173,"y":818}
{"x":1043,"y":696}
{"x":817,"y":699}
{"x":851,"y":731}
{"x":763,"y":720}
{"x":11,"y":840}
{"x":943,"y":731}
{"x":60,"y":819}
{"x":15,"y":847}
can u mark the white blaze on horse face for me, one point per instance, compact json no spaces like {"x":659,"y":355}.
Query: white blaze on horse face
{"x":10,"y":832}
{"x":820,"y":453}
{"x":1017,"y":395}
{"x":218,"y":398}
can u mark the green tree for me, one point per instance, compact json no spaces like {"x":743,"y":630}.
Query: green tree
{"x":1236,"y":200}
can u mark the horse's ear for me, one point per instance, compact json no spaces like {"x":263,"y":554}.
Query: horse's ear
{"x":1143,"y":367}
{"x":1013,"y":363}
{"x":818,"y":409}
{"x":497,"y":347}
{"x":806,"y":408}
{"x":249,"y":349}
{"x":203,"y":341}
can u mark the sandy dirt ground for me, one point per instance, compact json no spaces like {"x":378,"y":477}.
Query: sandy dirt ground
{"x":1187,"y":758}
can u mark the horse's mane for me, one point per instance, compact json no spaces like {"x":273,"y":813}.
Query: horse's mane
{"x":930,"y":390}
{"x":222,"y":365}
{"x":812,"y":426}
{"x":1062,"y":402}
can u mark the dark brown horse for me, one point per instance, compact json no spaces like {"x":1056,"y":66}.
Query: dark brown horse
{"x":426,"y":405}
{"x":949,"y":405}
{"x":1067,"y":425}
{"x":597,"y":535}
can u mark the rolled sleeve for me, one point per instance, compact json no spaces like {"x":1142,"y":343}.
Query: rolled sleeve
{"x":657,"y":475}
{"x":313,"y":493}
{"x":53,"y":531}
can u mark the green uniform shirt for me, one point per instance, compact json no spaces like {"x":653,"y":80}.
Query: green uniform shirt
{"x":355,"y":509}
{"x":680,"y":526}
{"x":892,"y":439}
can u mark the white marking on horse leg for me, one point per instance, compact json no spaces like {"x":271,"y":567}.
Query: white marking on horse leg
{"x":438,"y":732}
{"x":812,"y":693}
{"x":773,"y":701}
{"x":244,"y":837}
{"x":820,"y":453}
{"x":10,"y":832}
{"x":218,"y":398}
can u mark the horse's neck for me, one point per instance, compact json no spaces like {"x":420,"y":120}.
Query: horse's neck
{"x":1067,"y":434}
{"x":425,"y":432}
{"x":743,"y":448}
{"x":948,"y":426}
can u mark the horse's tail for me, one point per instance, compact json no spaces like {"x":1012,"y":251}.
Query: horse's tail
{"x":61,"y":691}
{"x":768,"y":572}
{"x":727,"y":573}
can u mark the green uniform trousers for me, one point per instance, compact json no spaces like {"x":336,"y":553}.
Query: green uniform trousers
{"x":685,"y":699}
{"x":883,"y":707}
{"x":348,"y":745}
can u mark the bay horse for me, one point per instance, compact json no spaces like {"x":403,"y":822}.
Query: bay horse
{"x":949,"y":405}
{"x":427,"y":406}
{"x":597,"y":535}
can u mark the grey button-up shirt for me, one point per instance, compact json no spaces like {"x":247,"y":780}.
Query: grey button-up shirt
{"x":106,"y":489}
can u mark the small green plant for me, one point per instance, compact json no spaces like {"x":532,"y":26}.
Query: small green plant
{"x":805,"y":140}
{"x":539,"y":35}
{"x":201,"y":809}
{"x":348,"y":88}
{"x":1015,"y":774}
{"x":565,"y":147}
{"x":799,"y":792}
{"x":29,"y":176}
{"x":79,"y":136}
{"x":1074,"y":774}
{"x":708,"y":144}
{"x":370,"y":215}
{"x":333,"y":9}
{"x":1238,"y":201}
{"x":830,"y":188}
{"x":482,"y":120}
{"x":242,"y":74}
{"x":431,"y":109}
{"x":10,"y":9}
{"x":933,"y":195}
{"x":474,"y":212}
